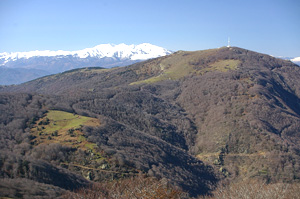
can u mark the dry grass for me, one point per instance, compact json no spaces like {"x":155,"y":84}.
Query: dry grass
{"x":253,"y":189}
{"x":150,"y":188}
{"x":64,"y":128}
{"x":225,"y":65}
{"x":185,"y":63}
{"x":130,"y":188}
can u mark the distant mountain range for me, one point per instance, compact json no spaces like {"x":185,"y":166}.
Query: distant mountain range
{"x":296,"y":60}
{"x":19,"y":67}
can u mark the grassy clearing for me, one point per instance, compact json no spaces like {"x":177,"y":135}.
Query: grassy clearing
{"x":173,"y":67}
{"x":185,"y":63}
{"x":60,"y":120}
{"x":64,"y":128}
{"x":225,"y":65}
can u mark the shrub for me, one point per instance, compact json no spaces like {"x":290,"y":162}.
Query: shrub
{"x":135,"y":187}
{"x":254,"y":189}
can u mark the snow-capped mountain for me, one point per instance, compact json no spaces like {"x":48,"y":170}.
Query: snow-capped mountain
{"x":13,"y":65}
{"x":121,"y":51}
{"x":296,"y":60}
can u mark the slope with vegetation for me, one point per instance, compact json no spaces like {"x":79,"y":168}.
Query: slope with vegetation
{"x":236,"y":110}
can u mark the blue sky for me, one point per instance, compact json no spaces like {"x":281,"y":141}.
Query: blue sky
{"x":267,"y":26}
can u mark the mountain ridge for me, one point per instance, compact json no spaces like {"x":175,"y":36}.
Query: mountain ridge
{"x":27,"y":64}
{"x":235,"y":110}
{"x":296,"y":60}
{"x":133,"y":52}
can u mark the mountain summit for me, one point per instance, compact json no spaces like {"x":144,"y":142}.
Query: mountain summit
{"x":18,"y":67}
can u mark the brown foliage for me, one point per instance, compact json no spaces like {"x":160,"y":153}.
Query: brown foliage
{"x":253,"y":189}
{"x":131,"y":188}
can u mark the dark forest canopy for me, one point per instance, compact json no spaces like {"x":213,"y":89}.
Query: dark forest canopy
{"x":191,"y":118}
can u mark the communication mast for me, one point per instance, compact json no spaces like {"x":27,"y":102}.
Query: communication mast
{"x":228,"y":42}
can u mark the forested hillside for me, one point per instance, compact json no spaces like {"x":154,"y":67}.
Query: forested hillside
{"x":190,"y":118}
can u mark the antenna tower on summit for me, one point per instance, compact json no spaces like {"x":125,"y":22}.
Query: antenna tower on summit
{"x":228,"y":42}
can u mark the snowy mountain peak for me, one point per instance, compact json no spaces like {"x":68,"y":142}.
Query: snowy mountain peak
{"x":121,"y":51}
{"x":296,"y":60}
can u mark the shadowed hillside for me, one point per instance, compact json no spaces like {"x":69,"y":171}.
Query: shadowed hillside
{"x":236,"y":110}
